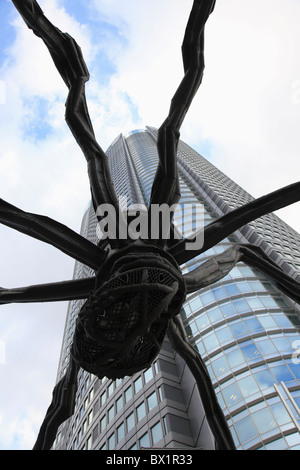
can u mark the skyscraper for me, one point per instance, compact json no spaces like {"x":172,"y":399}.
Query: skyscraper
{"x":246,"y":331}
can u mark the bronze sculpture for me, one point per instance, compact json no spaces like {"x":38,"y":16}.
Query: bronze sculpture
{"x":136,"y":294}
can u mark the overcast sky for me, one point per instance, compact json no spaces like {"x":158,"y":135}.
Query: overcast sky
{"x":245,"y":119}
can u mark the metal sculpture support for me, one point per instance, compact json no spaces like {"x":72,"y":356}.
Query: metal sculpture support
{"x":134,"y":298}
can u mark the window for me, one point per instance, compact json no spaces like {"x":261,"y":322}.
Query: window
{"x":264,"y":379}
{"x":111,"y":442}
{"x":232,"y":394}
{"x":130,"y":422}
{"x":248,"y":386}
{"x":128,"y":394}
{"x":148,"y":375}
{"x":241,"y":305}
{"x":119,"y":404}
{"x":103,"y":399}
{"x":207,"y":298}
{"x":210,"y":341}
{"x":224,"y":334}
{"x":89,"y":442}
{"x":266,"y":347}
{"x":267,"y":321}
{"x":253,"y":324}
{"x":145,"y":441}
{"x":152,"y":401}
{"x":141,"y":411}
{"x":220,"y":366}
{"x":264,"y":420}
{"x":110,"y":413}
{"x":90,"y":417}
{"x":228,"y":310}
{"x":219,"y":293}
{"x":245,"y":429}
{"x":156,"y":433}
{"x":250,"y":352}
{"x":202,"y":321}
{"x":215,"y":314}
{"x":282,"y":344}
{"x":238,"y":329}
{"x":282,"y":373}
{"x":120,"y":432}
{"x":280,"y":414}
{"x":110,"y":389}
{"x":138,"y":384}
{"x":103,"y":423}
{"x":232,"y":289}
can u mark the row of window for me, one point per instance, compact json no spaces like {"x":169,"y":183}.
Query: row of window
{"x":135,"y":416}
{"x":108,"y":391}
{"x":147,"y":440}
{"x":255,"y":381}
{"x":259,"y":422}
{"x":221,"y":293}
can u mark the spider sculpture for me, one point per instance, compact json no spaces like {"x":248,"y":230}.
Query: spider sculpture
{"x":136,"y":294}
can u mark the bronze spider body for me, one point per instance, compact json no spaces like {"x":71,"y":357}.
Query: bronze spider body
{"x":136,"y":294}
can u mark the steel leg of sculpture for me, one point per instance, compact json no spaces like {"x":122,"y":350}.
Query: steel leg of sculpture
{"x":220,"y":265}
{"x":165,"y":189}
{"x":70,"y":63}
{"x":52,"y":232}
{"x":60,"y":409}
{"x":214,"y":414}
{"x":51,"y":292}
{"x":221,"y":228}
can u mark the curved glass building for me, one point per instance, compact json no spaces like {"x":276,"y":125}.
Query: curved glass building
{"x":247,"y":332}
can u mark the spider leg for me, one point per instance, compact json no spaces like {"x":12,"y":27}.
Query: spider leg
{"x":232,"y":221}
{"x":51,"y":292}
{"x":69,"y":61}
{"x":60,"y":409}
{"x":212,"y":270}
{"x":255,"y":257}
{"x":165,"y":189}
{"x":52,"y":232}
{"x":214,"y":414}
{"x":220,"y":265}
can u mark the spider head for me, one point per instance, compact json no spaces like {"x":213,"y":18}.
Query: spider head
{"x":121,"y":327}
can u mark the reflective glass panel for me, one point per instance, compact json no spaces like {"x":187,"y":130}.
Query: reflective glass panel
{"x":232,"y":394}
{"x":245,"y":429}
{"x":156,"y":432}
{"x":250,"y":352}
{"x":220,"y":365}
{"x":235,"y":358}
{"x":264,"y":420}
{"x":280,"y":413}
{"x":248,"y":386}
{"x":264,"y":379}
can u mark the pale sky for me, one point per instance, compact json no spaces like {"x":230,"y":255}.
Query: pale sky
{"x":245,"y":120}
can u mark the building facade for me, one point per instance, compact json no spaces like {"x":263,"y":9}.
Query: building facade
{"x":247,"y":332}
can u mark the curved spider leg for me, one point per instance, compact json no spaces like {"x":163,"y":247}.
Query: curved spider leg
{"x":255,"y":257}
{"x":60,"y":409}
{"x":52,"y":232}
{"x":233,"y":220}
{"x":217,"y":267}
{"x":212,"y":270}
{"x":69,"y":61}
{"x":50,"y":292}
{"x":214,"y":414}
{"x":165,"y":188}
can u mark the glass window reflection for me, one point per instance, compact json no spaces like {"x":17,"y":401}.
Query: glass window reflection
{"x":250,"y":352}
{"x":246,"y":429}
{"x":232,"y":394}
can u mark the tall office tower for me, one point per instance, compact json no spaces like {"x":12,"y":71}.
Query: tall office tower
{"x":246,"y":331}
